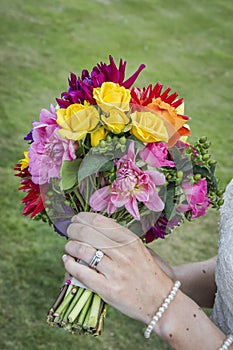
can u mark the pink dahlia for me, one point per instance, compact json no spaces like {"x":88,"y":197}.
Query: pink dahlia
{"x":48,"y":150}
{"x":132,"y":185}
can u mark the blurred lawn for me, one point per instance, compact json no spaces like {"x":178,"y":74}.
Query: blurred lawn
{"x":186,"y":44}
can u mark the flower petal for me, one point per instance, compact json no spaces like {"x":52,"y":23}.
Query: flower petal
{"x":132,"y":207}
{"x":100,"y":199}
{"x":156,"y":177}
{"x":155,"y":203}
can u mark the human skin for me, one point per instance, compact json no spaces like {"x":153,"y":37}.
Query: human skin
{"x":131,"y":280}
{"x":197,"y":278}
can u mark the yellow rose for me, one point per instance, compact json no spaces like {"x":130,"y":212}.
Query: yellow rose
{"x":111,"y":95}
{"x":98,"y":135}
{"x":148,"y":127}
{"x":77,"y":120}
{"x":115,"y":121}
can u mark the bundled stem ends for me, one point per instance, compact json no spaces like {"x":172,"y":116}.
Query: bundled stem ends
{"x":78,"y":310}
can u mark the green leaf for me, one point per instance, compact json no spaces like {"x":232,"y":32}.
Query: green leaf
{"x":170,"y":205}
{"x":93,"y":163}
{"x":69,"y":174}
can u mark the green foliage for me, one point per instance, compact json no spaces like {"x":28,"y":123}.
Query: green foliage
{"x":170,"y":209}
{"x":187,"y":45}
{"x":69,"y":174}
{"x":93,"y":163}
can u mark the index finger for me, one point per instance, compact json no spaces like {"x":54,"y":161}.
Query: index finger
{"x":106,"y":226}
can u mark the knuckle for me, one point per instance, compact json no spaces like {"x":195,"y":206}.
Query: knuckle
{"x":80,"y":232}
{"x":74,"y":218}
{"x":68,"y":246}
{"x":71,"y":248}
{"x":71,"y":230}
{"x":67,"y":264}
{"x":82,"y":250}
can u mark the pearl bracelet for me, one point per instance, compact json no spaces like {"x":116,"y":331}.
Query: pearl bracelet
{"x":227,"y":342}
{"x":162,"y":309}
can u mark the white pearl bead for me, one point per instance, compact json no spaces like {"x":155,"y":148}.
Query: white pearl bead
{"x":161,"y":309}
{"x":153,"y":323}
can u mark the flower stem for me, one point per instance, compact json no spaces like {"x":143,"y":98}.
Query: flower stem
{"x":80,"y":198}
{"x":87,"y":194}
{"x":71,"y":291}
{"x":72,"y":304}
{"x":94,"y":313}
{"x":83,"y":313}
{"x":103,"y":311}
{"x":80,"y":304}
{"x":80,"y":311}
{"x":58,"y":301}
{"x":85,"y":323}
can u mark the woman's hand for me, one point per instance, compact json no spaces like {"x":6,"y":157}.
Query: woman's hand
{"x":127,"y":277}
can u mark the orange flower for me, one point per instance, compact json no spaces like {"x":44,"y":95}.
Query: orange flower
{"x":174,"y":122}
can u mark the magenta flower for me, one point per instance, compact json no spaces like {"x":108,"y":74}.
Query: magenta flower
{"x":161,"y":227}
{"x":132,"y":185}
{"x":197,"y":200}
{"x":48,"y":150}
{"x":80,"y":89}
{"x":156,"y":154}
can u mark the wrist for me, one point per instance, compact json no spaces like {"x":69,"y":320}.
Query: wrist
{"x":168,"y":325}
{"x":184,"y":325}
{"x":155,"y":297}
{"x":162,"y":309}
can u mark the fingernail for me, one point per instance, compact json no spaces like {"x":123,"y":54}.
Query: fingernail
{"x":64,"y":257}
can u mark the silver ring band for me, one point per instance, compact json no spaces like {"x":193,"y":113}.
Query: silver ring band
{"x":96,"y":259}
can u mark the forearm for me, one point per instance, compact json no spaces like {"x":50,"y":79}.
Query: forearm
{"x":198,"y":281}
{"x":185,"y":326}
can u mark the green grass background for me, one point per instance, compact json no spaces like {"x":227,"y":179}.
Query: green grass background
{"x":185,"y":44}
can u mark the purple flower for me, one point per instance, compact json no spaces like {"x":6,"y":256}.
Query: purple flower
{"x":28,"y":137}
{"x":48,"y":150}
{"x":196,"y":196}
{"x":60,"y":226}
{"x":132,"y":185}
{"x":155,"y":154}
{"x":161,"y":227}
{"x":81,"y":88}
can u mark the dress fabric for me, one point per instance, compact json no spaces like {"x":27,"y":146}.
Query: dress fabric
{"x":222,"y":314}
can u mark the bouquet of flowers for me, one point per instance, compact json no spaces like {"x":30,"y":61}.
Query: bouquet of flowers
{"x":113,"y":148}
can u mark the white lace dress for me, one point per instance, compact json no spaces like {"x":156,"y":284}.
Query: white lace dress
{"x":222,"y":314}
